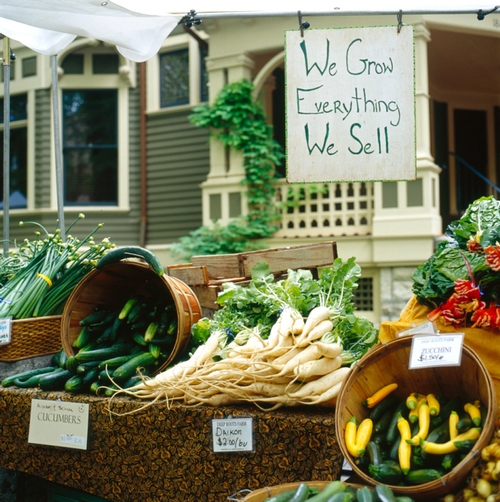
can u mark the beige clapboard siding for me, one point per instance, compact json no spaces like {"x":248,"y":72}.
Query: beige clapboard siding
{"x":178,"y":161}
{"x":43,"y":121}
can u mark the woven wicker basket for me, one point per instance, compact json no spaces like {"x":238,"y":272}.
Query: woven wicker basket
{"x":34,"y":337}
{"x":270,"y":491}
{"x":387,"y":363}
{"x":114,"y":284}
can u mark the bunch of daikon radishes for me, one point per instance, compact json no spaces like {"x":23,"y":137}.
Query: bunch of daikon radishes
{"x":295,"y":365}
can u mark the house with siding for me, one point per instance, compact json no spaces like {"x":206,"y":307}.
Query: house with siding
{"x":133,"y":161}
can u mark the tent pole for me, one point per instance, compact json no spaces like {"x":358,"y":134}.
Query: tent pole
{"x":58,"y":147}
{"x":6,"y":145}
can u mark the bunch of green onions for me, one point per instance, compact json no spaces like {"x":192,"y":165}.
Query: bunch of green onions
{"x":52,"y":268}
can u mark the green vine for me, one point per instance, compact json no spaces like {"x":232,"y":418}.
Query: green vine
{"x":239,"y":122}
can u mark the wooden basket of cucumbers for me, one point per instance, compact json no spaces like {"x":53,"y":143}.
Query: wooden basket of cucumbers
{"x":127,"y":308}
{"x":418,"y":431}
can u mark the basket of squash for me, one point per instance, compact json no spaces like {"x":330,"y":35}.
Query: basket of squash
{"x":419,"y":431}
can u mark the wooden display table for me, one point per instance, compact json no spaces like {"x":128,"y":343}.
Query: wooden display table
{"x":160,"y":454}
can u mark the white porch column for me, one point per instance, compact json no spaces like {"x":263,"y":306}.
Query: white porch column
{"x":406,"y":214}
{"x":222,"y":191}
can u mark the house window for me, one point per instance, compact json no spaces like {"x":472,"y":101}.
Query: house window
{"x":29,"y":67}
{"x":363,"y":295}
{"x":18,"y":152}
{"x":90,"y":146}
{"x":73,"y":64}
{"x":174,"y":78}
{"x":105,"y":64}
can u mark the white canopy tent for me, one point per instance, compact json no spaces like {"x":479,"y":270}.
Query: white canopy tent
{"x":138,"y":28}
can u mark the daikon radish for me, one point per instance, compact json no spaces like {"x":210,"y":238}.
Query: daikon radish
{"x":310,"y":353}
{"x":298,"y":326}
{"x":316,"y":315}
{"x":318,"y":367}
{"x":329,"y":349}
{"x":322,"y":328}
{"x":322,"y":384}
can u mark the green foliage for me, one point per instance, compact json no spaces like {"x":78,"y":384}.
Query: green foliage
{"x":239,"y":122}
{"x":236,"y":237}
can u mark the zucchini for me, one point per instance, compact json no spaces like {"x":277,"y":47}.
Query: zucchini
{"x":382,"y":424}
{"x":129,"y":368}
{"x":392,"y":430}
{"x":393,"y":452}
{"x":465,"y":445}
{"x":421,"y":476}
{"x":362,"y":462}
{"x":118,"y":349}
{"x":388,"y":402}
{"x":24,"y":375}
{"x":454,"y":404}
{"x":387,"y":472}
{"x":374,"y":453}
{"x":383,"y":493}
{"x":54,"y":380}
{"x":450,"y":460}
{"x":300,"y":494}
{"x":364,"y":494}
{"x":118,"y":254}
{"x":75,"y":384}
{"x":464,"y":424}
{"x":440,"y":434}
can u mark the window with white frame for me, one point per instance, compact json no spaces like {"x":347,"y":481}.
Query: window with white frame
{"x":94,"y":128}
{"x":18,"y":174}
{"x":178,"y":76}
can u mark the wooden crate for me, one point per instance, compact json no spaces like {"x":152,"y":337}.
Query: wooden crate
{"x":206,"y":274}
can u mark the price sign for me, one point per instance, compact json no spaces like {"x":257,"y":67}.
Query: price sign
{"x":439,"y":350}
{"x":232,"y":434}
{"x":424,"y":328}
{"x":59,"y":423}
{"x":5,"y":330}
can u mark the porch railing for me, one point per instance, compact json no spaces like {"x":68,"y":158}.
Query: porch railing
{"x":322,"y":210}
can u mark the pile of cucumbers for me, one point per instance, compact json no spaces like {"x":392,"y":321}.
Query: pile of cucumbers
{"x":338,"y":491}
{"x":109,"y":349}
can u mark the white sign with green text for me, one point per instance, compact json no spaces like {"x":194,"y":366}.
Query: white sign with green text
{"x":350,"y":99}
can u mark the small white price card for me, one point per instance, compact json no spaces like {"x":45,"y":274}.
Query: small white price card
{"x":5,"y":330}
{"x":232,"y":434}
{"x":439,"y":350}
{"x":424,"y":328}
{"x":59,"y":423}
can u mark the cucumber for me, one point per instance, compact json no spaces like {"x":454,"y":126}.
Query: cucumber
{"x":127,"y":308}
{"x":59,"y":359}
{"x":118,"y":349}
{"x":364,"y":494}
{"x":72,"y":364}
{"x":114,"y":362}
{"x":75,"y":384}
{"x":330,"y":489}
{"x":129,"y":368}
{"x":54,"y":380}
{"x":282,"y":497}
{"x":95,"y":318}
{"x":84,"y":368}
{"x":8,"y":381}
{"x":118,"y":254}
{"x":90,"y":376}
{"x":341,"y":497}
{"x":421,"y":476}
{"x":387,"y":472}
{"x":383,"y":493}
{"x":151,"y":331}
{"x":300,"y":494}
{"x":404,"y":498}
{"x":32,"y":381}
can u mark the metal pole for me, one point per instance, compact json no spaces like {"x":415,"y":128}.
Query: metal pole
{"x":6,"y":145}
{"x":58,"y":147}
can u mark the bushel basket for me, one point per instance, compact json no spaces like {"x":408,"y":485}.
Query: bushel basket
{"x":112,"y":285}
{"x":387,"y":363}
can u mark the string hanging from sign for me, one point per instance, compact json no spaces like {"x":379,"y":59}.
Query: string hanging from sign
{"x":400,"y":20}
{"x":303,"y":25}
